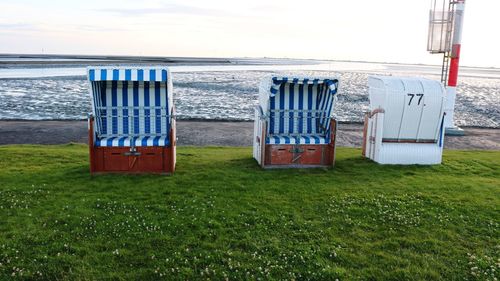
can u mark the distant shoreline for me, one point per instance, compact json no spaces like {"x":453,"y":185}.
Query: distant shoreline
{"x":65,"y":59}
{"x":40,"y":60}
{"x":72,"y":60}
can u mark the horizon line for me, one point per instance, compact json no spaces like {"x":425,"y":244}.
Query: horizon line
{"x":180,"y":59}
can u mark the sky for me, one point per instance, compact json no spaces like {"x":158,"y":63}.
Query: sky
{"x":360,"y":30}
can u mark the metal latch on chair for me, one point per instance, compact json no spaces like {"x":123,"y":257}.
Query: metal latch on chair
{"x":133,"y":152}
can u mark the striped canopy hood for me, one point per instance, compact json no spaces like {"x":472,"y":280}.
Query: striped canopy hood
{"x":332,"y":84}
{"x":152,"y":74}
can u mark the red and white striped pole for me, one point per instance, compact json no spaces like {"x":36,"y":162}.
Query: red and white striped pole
{"x":451,"y":90}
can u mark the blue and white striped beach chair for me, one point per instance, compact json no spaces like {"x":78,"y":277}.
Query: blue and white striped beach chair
{"x":132,"y":125}
{"x":293,"y":122}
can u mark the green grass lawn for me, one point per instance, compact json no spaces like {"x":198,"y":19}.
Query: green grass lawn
{"x":221,"y":216}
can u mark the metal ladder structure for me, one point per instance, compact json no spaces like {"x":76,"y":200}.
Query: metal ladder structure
{"x":445,"y":37}
{"x":441,"y":29}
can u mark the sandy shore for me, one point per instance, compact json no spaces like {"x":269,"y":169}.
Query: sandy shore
{"x":212,"y":133}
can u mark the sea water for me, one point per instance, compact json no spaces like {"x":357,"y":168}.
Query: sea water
{"x":229,"y":92}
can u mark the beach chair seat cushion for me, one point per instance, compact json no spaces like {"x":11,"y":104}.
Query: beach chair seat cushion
{"x":128,"y":141}
{"x":308,"y":139}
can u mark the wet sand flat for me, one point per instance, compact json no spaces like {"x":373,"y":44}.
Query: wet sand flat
{"x":213,"y":133}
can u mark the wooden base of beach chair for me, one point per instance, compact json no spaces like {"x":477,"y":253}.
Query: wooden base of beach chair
{"x":298,"y":156}
{"x":152,"y":160}
{"x":156,"y":160}
{"x":301,"y":155}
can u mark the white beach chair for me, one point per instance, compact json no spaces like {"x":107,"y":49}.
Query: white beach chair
{"x":405,"y":121}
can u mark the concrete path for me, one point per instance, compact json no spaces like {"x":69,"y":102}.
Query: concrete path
{"x":216,"y":133}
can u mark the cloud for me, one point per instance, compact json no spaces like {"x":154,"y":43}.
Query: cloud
{"x":166,"y":9}
{"x":17,"y":26}
{"x":24,"y":28}
{"x":96,"y":28}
